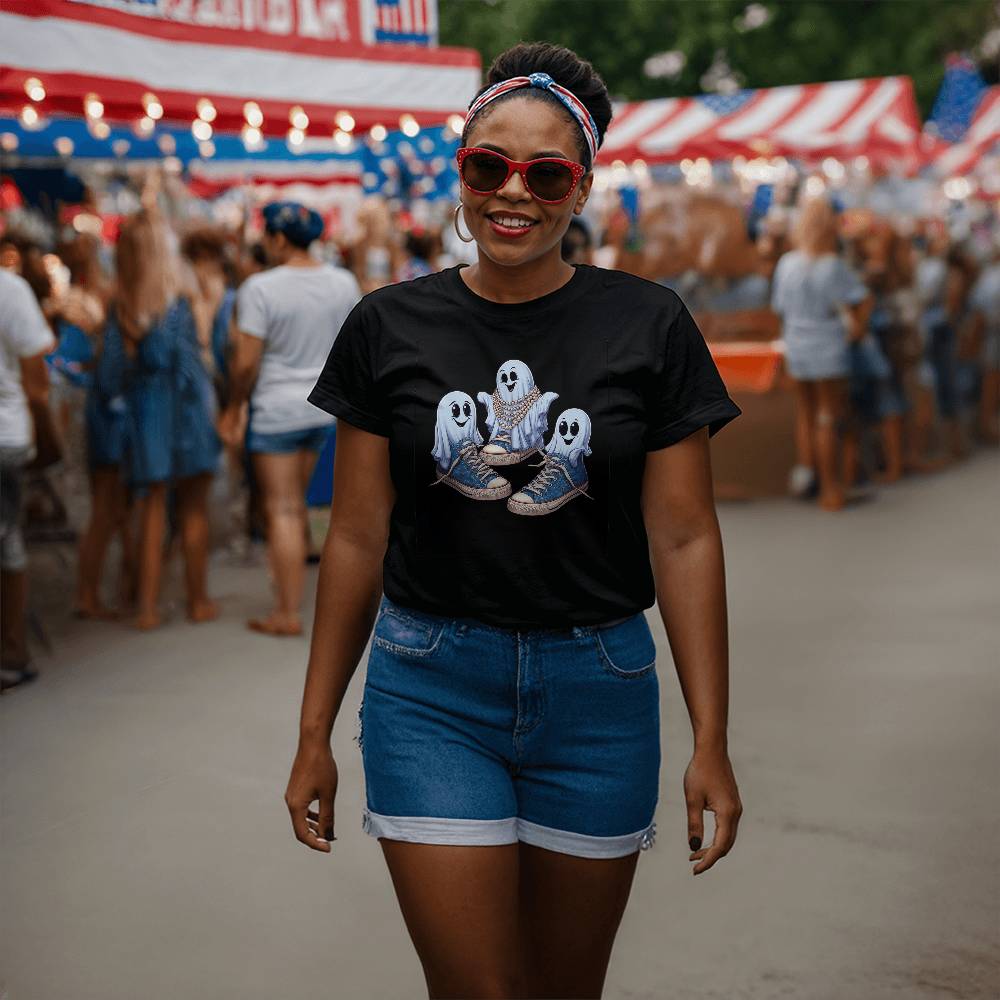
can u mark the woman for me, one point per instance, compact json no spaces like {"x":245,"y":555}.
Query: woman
{"x":510,"y":719}
{"x":287,"y":319}
{"x":171,"y":439}
{"x":824,"y":309}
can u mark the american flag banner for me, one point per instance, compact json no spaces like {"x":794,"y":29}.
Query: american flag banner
{"x":981,"y":137}
{"x":312,"y":65}
{"x":408,"y":22}
{"x":876,"y":117}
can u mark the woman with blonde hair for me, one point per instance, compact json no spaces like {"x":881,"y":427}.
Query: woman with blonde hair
{"x":170,"y":405}
{"x":824,"y":307}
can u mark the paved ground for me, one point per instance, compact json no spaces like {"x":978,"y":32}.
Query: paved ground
{"x":145,"y":850}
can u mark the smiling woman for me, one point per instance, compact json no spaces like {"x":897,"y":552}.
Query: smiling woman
{"x":511,"y":705}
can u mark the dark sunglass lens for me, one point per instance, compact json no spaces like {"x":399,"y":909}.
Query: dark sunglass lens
{"x":483,"y":171}
{"x":550,"y":181}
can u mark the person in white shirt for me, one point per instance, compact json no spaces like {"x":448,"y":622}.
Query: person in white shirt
{"x":287,"y":319}
{"x":25,"y":339}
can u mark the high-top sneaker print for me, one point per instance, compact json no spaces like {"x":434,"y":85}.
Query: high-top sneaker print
{"x":471,"y":476}
{"x":557,"y":483}
{"x":563,"y":470}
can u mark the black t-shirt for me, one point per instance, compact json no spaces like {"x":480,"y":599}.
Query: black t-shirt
{"x":518,"y":435}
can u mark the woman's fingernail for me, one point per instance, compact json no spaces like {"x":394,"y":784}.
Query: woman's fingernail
{"x":694,"y":843}
{"x":322,"y":841}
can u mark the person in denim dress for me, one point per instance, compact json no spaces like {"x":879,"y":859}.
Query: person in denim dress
{"x":510,"y":721}
{"x":170,"y":438}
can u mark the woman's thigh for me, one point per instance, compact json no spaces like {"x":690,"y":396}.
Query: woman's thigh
{"x":460,"y":906}
{"x":279,"y":478}
{"x":570,"y":911}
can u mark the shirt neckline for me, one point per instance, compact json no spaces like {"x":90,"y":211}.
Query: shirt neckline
{"x":560,"y":297}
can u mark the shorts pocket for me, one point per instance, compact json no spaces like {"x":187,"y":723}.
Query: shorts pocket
{"x":627,"y":649}
{"x":406,"y":635}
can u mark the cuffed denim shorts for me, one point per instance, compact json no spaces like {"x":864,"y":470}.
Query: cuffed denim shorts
{"x":288,"y":442}
{"x":476,"y":735}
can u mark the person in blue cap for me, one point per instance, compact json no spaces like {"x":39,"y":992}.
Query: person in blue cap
{"x":287,"y":319}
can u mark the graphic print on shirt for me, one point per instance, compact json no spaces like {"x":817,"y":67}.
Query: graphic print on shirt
{"x":456,"y":451}
{"x":516,"y":415}
{"x":563,"y":472}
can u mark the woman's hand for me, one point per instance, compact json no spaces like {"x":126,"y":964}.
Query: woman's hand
{"x":709,"y":784}
{"x":314,"y":776}
{"x":232,"y":425}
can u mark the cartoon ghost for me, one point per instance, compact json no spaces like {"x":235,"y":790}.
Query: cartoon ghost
{"x":516,"y":415}
{"x":456,"y":437}
{"x":563,"y":472}
{"x":571,"y":438}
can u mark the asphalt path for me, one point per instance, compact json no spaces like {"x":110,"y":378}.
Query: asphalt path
{"x":145,"y":850}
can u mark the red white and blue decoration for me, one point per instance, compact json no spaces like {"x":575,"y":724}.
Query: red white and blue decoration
{"x":877,"y":118}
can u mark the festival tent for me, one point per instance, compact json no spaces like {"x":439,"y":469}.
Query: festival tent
{"x":877,"y":118}
{"x":277,"y":67}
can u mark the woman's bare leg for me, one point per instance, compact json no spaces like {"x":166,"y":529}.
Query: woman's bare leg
{"x":152,"y":528}
{"x":460,"y":906}
{"x":307,"y":464}
{"x":831,"y":401}
{"x":570,"y":910}
{"x":892,"y":449}
{"x":805,"y":399}
{"x":105,"y":512}
{"x":280,"y":479}
{"x":192,"y":499}
{"x":989,"y":406}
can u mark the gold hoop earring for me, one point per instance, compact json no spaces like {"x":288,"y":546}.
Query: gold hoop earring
{"x":458,"y":232}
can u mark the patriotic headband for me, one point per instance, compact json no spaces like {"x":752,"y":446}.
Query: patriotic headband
{"x":544,"y":82}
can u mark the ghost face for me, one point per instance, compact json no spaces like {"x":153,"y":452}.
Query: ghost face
{"x":456,"y":423}
{"x":514,"y":381}
{"x":571,"y":436}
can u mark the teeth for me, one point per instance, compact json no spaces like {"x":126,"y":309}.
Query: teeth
{"x":512,"y":223}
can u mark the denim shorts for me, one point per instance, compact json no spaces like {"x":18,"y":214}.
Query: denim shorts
{"x":288,"y":442}
{"x":476,"y":735}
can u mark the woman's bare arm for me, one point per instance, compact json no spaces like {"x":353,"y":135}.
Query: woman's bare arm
{"x":686,"y":551}
{"x":347,"y":600}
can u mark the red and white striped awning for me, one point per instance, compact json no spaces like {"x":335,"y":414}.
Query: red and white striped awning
{"x":282,"y":55}
{"x":951,"y":159}
{"x":877,"y":118}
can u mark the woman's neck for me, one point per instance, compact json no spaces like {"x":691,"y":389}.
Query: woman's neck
{"x":301,"y":258}
{"x":531,"y":280}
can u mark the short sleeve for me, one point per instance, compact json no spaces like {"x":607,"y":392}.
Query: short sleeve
{"x":25,"y":328}
{"x":251,"y":312}
{"x":348,"y":385}
{"x":687,"y":392}
{"x":849,"y":289}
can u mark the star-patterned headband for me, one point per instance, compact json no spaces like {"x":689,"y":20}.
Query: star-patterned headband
{"x":543,"y":82}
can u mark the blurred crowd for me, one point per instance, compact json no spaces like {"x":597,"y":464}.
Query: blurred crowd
{"x":164,"y":378}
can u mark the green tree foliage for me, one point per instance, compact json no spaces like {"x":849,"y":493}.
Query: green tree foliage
{"x":804,"y":41}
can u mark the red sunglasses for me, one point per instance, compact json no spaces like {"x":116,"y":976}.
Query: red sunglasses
{"x":549,"y":179}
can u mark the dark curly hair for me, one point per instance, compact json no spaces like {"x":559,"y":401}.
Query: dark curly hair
{"x":567,"y":69}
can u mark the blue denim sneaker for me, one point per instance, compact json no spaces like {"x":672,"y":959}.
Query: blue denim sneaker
{"x":500,"y":451}
{"x":470,"y":475}
{"x":557,"y":483}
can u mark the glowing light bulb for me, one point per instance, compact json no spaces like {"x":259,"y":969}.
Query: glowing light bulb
{"x":201,"y":130}
{"x":93,"y":106}
{"x":206,"y":110}
{"x":29,"y":116}
{"x":154,"y":109}
{"x":298,"y":118}
{"x":378,"y":133}
{"x":296,"y":136}
{"x":409,"y":125}
{"x":456,"y":123}
{"x":34,"y":89}
{"x":253,"y":114}
{"x":64,"y":145}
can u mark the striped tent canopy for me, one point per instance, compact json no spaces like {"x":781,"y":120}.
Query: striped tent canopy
{"x":982,"y":136}
{"x":309,"y":61}
{"x":877,"y":118}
